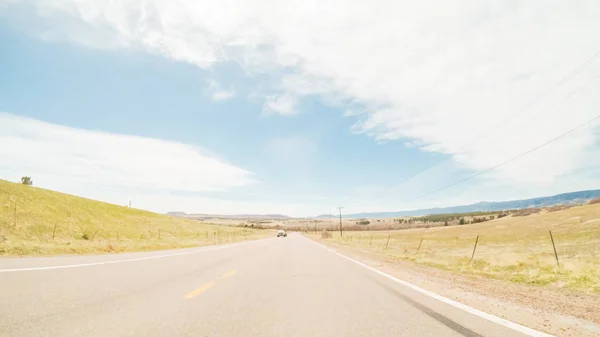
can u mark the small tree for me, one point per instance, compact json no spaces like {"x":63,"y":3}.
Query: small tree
{"x":26,"y":181}
{"x":461,"y":221}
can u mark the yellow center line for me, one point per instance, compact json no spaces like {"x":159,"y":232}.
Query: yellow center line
{"x":209,"y":285}
{"x":200,"y":290}
{"x":229,"y":274}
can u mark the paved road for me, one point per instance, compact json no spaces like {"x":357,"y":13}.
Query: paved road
{"x":274,"y":287}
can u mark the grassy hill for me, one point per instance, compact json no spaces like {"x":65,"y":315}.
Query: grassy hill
{"x":36,"y":221}
{"x":514,"y":248}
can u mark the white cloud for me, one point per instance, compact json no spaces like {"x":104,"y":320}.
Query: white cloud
{"x":217,"y":93}
{"x":284,"y":105}
{"x":57,"y":156}
{"x":434,"y":74}
{"x":222,"y":95}
{"x":154,"y":174}
{"x":351,"y":113}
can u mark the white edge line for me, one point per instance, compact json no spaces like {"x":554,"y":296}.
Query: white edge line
{"x":127,"y":260}
{"x":504,"y":322}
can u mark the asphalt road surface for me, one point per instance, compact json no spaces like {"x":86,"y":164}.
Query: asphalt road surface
{"x":275,"y":287}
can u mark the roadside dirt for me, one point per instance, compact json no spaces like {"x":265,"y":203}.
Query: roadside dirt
{"x":560,"y":312}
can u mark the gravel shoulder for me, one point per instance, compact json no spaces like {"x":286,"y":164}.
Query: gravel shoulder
{"x":560,"y":312}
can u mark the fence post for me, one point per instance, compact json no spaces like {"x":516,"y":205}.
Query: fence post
{"x":96,"y":232}
{"x":54,"y":232}
{"x":553,"y":246}
{"x":15,"y":219}
{"x":474,"y":247}
{"x":370,"y":240}
{"x":388,"y":241}
{"x":419,"y":246}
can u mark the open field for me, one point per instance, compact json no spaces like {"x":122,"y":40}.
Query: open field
{"x":351,"y":224}
{"x":35,"y":221}
{"x":513,"y":248}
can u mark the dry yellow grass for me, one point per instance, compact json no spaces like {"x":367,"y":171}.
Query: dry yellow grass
{"x":518,"y":249}
{"x":47,"y":222}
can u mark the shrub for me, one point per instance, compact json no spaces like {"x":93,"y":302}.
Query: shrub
{"x":325,"y":234}
{"x":558,"y":208}
{"x":527,"y":211}
{"x":26,"y":181}
{"x":594,"y":201}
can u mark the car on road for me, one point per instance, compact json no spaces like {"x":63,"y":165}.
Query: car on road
{"x":281,"y":232}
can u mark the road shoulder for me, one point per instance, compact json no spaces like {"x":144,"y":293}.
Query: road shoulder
{"x":556,"y":311}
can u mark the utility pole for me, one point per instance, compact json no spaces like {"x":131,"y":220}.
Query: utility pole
{"x":340,"y":209}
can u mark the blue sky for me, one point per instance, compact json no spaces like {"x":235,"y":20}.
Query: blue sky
{"x":248,"y":114}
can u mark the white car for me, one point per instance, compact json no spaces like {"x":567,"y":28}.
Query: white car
{"x":281,"y":232}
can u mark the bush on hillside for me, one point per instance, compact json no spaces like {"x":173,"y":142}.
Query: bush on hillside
{"x":527,"y":211}
{"x":594,"y":201}
{"x":558,"y":208}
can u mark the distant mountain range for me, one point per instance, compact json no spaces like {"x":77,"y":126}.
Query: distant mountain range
{"x":234,"y":216}
{"x":484,"y":206}
{"x":559,"y":199}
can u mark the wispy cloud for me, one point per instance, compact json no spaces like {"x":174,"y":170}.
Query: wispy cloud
{"x":59,"y":156}
{"x":284,"y":105}
{"x":222,"y":95}
{"x":217,"y":93}
{"x":436,"y":79}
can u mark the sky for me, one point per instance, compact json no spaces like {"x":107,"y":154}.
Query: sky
{"x":297,"y":107}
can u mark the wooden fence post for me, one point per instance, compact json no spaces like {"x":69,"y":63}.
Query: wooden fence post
{"x":96,"y":232}
{"x":15,"y":218}
{"x":419,"y":246}
{"x":474,"y":247}
{"x":387,"y":242}
{"x":553,"y":246}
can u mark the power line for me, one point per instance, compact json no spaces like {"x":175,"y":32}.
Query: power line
{"x":507,"y":161}
{"x":522,"y":109}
